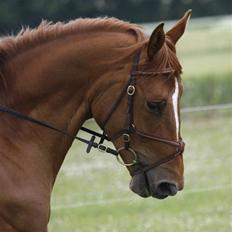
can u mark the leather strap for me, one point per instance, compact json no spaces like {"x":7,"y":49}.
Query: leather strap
{"x":90,"y":142}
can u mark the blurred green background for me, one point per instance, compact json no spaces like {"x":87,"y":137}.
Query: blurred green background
{"x":14,"y":13}
{"x":91,"y":193}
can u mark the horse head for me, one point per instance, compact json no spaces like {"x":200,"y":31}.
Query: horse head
{"x":143,"y":121}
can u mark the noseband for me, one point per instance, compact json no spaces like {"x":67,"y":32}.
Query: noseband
{"x":129,"y":129}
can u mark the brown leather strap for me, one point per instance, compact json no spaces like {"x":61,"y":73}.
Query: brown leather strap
{"x":123,"y":92}
{"x":145,"y":168}
{"x":158,"y":139}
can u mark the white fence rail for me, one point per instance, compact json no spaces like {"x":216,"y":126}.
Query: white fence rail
{"x":206,"y":108}
{"x":74,"y":205}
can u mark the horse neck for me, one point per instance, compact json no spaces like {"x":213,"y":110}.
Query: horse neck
{"x":54,"y":82}
{"x":70,"y":63}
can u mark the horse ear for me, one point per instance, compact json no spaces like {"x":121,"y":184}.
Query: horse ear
{"x":156,"y":41}
{"x":178,"y":30}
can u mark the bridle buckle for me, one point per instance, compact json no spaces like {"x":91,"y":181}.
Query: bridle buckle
{"x":102,"y":148}
{"x":130,"y":90}
{"x":126,"y":138}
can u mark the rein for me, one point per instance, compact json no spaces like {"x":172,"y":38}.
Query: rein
{"x":90,"y":143}
{"x":125,"y":133}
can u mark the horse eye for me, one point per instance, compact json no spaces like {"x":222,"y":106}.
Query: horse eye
{"x":156,"y":107}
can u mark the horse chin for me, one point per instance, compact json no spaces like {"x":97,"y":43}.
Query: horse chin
{"x":139,"y":185}
{"x":159,"y":187}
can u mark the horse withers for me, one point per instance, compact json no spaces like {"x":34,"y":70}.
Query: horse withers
{"x":64,"y":74}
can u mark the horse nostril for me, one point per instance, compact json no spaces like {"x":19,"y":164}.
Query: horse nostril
{"x":168,"y":189}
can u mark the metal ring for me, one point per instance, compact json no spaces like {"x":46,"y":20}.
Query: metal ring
{"x":134,"y":154}
{"x":130,"y":90}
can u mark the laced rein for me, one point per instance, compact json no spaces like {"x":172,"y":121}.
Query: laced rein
{"x":90,"y":143}
{"x":129,"y":128}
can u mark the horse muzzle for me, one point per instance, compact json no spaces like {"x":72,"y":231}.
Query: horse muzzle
{"x":142,"y":185}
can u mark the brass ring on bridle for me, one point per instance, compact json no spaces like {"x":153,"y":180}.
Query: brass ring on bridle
{"x":135,"y":160}
{"x":130,"y":90}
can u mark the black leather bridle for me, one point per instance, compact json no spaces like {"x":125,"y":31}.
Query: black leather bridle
{"x":125,"y":133}
{"x":130,"y":128}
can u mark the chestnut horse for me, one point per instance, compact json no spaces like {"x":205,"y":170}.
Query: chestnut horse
{"x":64,"y":74}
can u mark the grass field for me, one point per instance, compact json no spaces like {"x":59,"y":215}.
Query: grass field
{"x":206,"y":51}
{"x":91,"y":193}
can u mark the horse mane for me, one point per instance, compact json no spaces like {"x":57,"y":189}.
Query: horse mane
{"x":48,"y":31}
